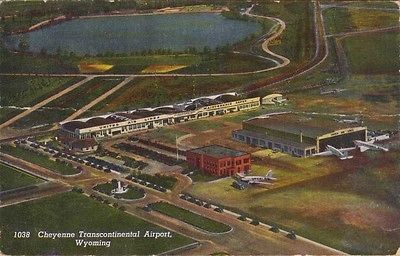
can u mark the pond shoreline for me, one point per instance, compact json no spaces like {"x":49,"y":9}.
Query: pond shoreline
{"x":62,"y":18}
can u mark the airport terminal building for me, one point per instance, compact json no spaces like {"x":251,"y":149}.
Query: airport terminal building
{"x":110,"y":125}
{"x":298,"y":135}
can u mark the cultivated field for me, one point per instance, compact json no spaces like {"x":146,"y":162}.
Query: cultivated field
{"x":11,"y":178}
{"x":72,"y":212}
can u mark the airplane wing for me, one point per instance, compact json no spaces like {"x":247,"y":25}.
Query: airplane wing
{"x":260,"y":182}
{"x":325,"y":153}
{"x":365,"y":145}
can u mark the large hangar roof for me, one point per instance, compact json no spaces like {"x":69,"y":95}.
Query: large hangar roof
{"x":218,"y":151}
{"x":310,"y":125}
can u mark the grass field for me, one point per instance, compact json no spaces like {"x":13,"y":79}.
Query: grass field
{"x":91,"y":90}
{"x":201,"y":125}
{"x":340,"y":20}
{"x":25,"y":91}
{"x":7,"y":113}
{"x":161,"y":68}
{"x":133,"y":193}
{"x":94,"y":67}
{"x":190,"y":217}
{"x":11,"y":178}
{"x":62,"y":107}
{"x":165,"y":135}
{"x":166,"y":90}
{"x":228,"y":63}
{"x":355,"y":209}
{"x":374,"y":4}
{"x":41,"y":160}
{"x":137,"y":63}
{"x":297,"y":41}
{"x":72,"y":212}
{"x":27,"y":63}
{"x":42,"y":117}
{"x":373,"y":54}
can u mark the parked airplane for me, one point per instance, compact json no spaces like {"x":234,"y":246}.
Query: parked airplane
{"x":365,"y":145}
{"x":333,"y":91}
{"x":349,"y":121}
{"x":342,"y":153}
{"x":258,"y":179}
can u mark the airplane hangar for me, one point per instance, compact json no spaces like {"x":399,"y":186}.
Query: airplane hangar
{"x":299,"y":135}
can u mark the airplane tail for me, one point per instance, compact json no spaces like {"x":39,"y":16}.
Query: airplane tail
{"x":363,"y":149}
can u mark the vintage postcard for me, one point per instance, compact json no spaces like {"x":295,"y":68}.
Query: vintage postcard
{"x":199,"y":127}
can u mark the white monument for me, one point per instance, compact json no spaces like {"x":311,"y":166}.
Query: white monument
{"x":120,"y":189}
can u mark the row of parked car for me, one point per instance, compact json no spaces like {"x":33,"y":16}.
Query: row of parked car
{"x":199,"y":202}
{"x":254,"y":221}
{"x":146,"y":183}
{"x":89,"y":161}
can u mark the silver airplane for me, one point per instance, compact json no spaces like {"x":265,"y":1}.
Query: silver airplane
{"x":342,"y":153}
{"x":258,"y":179}
{"x":366,"y":145}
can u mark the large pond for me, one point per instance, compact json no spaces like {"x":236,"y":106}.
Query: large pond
{"x":126,"y":34}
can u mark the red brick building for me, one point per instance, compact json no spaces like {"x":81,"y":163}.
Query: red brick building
{"x":218,"y":161}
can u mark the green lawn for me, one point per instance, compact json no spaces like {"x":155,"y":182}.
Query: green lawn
{"x":72,"y":212}
{"x":25,"y":91}
{"x":104,"y":188}
{"x":133,"y":193}
{"x":11,"y":178}
{"x":190,"y":217}
{"x":36,"y":158}
{"x":373,"y":54}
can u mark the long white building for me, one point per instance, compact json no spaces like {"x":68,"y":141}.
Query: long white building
{"x":147,"y":118}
